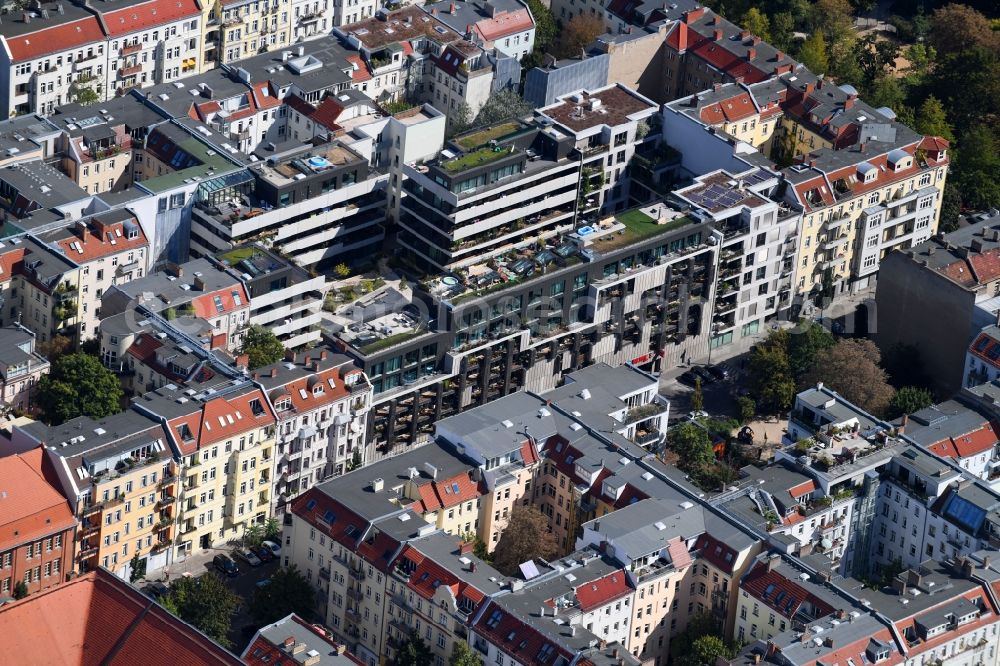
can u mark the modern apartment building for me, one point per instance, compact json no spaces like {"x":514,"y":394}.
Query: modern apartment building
{"x":39,"y":527}
{"x":321,"y":401}
{"x":284,"y":297}
{"x":224,"y":432}
{"x":120,"y":477}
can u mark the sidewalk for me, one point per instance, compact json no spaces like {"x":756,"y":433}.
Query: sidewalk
{"x":195,"y":564}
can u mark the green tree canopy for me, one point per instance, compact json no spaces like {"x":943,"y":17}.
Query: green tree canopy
{"x":804,"y":342}
{"x":578,"y":33}
{"x":932,"y":119}
{"x":78,"y":385}
{"x":697,"y":396}
{"x":501,"y":106}
{"x":288,"y":592}
{"x":957,"y":27}
{"x":262,"y":346}
{"x":525,"y":537}
{"x":909,"y":399}
{"x":462,"y":655}
{"x":813,"y":54}
{"x":205,"y":603}
{"x":414,"y":652}
{"x":757,"y":23}
{"x":782,"y":30}
{"x":772,"y":383}
{"x":693,"y":444}
{"x":852,"y":368}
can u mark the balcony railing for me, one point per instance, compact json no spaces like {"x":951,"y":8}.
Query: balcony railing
{"x":129,"y":50}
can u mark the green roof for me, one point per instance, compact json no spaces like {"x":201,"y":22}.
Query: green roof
{"x":200,"y":151}
{"x":474,"y":159}
{"x":638,"y":227}
{"x":474,"y":140}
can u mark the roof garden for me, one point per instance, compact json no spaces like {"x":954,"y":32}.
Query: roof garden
{"x":481,"y":137}
{"x":476,"y":158}
{"x":631,"y":226}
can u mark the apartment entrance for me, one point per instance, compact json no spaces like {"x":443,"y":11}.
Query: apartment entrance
{"x":206,"y":541}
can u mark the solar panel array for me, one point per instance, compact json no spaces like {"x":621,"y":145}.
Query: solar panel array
{"x":717,"y":196}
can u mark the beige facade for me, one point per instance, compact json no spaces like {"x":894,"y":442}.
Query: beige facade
{"x":250,"y":27}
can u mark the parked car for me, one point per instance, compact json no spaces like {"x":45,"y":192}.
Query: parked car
{"x":156,"y":589}
{"x":250,"y":557}
{"x":274,"y":546}
{"x":264,"y":583}
{"x":264,"y":553}
{"x":697,"y":414}
{"x":720,"y":372}
{"x":706,"y":376}
{"x":689,"y":378}
{"x":225,"y":565}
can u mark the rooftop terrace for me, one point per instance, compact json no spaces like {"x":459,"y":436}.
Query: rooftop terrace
{"x":611,"y":106}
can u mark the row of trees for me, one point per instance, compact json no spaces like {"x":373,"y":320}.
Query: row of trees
{"x":788,"y":361}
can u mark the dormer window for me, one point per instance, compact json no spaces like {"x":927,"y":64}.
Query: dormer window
{"x":318,"y":389}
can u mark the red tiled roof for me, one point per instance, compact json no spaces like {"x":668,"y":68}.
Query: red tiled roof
{"x":679,"y":555}
{"x":346,"y":527}
{"x":10,"y":258}
{"x":717,"y":553}
{"x":725,"y":61}
{"x":602,"y":591}
{"x":428,"y":576}
{"x":969,"y":444}
{"x":144,"y":349}
{"x":802,"y":489}
{"x":100,"y":241}
{"x":220,"y":418}
{"x":99,"y":619}
{"x":779,"y":593}
{"x":54,"y":39}
{"x":148,"y":15}
{"x":528,"y":453}
{"x":30,"y":507}
{"x":361,"y":73}
{"x":934,"y":144}
{"x":504,"y":24}
{"x":204,"y":305}
{"x":516,"y":638}
{"x":735,"y":108}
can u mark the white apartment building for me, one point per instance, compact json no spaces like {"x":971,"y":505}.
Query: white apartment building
{"x":322,"y":401}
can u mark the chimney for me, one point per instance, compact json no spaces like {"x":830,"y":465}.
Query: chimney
{"x":779,"y":56}
{"x":434,"y":11}
{"x":682,"y":36}
{"x":756,"y":657}
{"x":902,"y":424}
{"x":288,"y":642}
{"x":308,"y":359}
{"x":967,"y":568}
{"x":693,"y":15}
{"x":828,"y":642}
{"x":744,"y":34}
{"x":809,"y":87}
{"x":755,"y":40}
{"x":323,"y":355}
{"x":849,"y":102}
{"x":27,"y":17}
{"x":717,"y":35}
{"x":986,"y":561}
{"x":451,"y":8}
{"x":299,"y":648}
{"x":378,"y":485}
{"x":899,"y":585}
{"x":772,"y":561}
{"x":465,"y":547}
{"x":541,"y":611}
{"x":976,"y":245}
{"x":716,"y":20}
{"x":242,"y":361}
{"x":716,"y":87}
{"x":302,"y":51}
{"x":274,"y":372}
{"x":751,"y":54}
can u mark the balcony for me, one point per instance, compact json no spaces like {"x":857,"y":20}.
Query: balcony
{"x":87,"y":553}
{"x":357,"y":574}
{"x":324,"y":574}
{"x":125,"y":72}
{"x":129,"y":50}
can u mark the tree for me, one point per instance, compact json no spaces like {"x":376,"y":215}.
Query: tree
{"x":355,"y":462}
{"x":682,"y":646}
{"x":78,"y":385}
{"x":462,"y":655}
{"x":137,"y":568}
{"x":253,"y":535}
{"x":932,"y":120}
{"x":20,"y":589}
{"x":920,"y":58}
{"x":342,"y":270}
{"x":414,"y":652}
{"x":697,"y":397}
{"x":578,"y":33}
{"x":978,"y":164}
{"x":459,"y":120}
{"x":951,"y":208}
{"x":851,"y":367}
{"x":59,"y":345}
{"x":783,"y":30}
{"x":887,"y":91}
{"x":747,"y":408}
{"x":204,"y":602}
{"x":705,"y":649}
{"x":525,"y":537}
{"x":804,"y":343}
{"x":288,"y":592}
{"x":909,"y":399}
{"x":832,"y":18}
{"x":957,"y":27}
{"x":272,"y":529}
{"x":693,"y":445}
{"x":545,"y":25}
{"x":876,"y":57}
{"x":262,"y":346}
{"x":757,"y":23}
{"x":772,"y":383}
{"x":85,"y":96}
{"x":812,"y":53}
{"x":502,"y":105}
